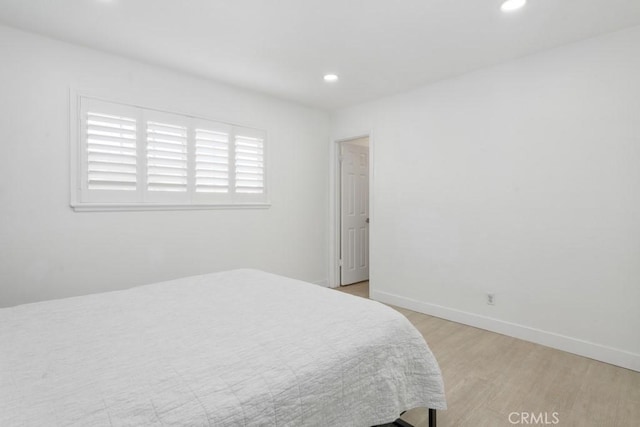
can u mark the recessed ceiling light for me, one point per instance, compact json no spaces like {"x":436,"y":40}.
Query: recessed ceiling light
{"x":511,"y":5}
{"x":330,"y":78}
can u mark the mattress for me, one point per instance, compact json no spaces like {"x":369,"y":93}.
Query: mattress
{"x":236,"y":348}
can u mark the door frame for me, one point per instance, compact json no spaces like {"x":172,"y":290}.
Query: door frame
{"x":335,"y":203}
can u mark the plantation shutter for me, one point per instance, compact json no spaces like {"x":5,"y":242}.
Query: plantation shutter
{"x":130,"y":157}
{"x":211,"y":160}
{"x":249,"y":162}
{"x":107,"y":158}
{"x":111,"y":145}
{"x":166,"y":157}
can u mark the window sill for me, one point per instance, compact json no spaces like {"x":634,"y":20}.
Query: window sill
{"x":120,"y":207}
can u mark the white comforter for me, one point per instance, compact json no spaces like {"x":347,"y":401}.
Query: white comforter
{"x":229,"y":349}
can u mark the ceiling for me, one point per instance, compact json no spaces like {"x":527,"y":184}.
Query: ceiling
{"x":284,"y":47}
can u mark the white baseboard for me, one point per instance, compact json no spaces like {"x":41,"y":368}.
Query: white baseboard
{"x":323,"y":282}
{"x":580,"y":347}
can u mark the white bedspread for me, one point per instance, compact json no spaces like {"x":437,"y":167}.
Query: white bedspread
{"x":228,"y":349}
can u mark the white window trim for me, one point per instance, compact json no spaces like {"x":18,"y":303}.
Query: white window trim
{"x":76,"y":168}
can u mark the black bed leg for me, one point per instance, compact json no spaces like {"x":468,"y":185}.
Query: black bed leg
{"x":432,"y":417}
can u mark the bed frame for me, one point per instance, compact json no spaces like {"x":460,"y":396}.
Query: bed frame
{"x":402,"y":423}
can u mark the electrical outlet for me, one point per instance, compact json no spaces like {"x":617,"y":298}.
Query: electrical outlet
{"x":491,"y":299}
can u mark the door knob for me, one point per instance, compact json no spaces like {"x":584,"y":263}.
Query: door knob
{"x":367,"y":220}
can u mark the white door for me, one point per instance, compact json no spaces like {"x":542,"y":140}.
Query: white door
{"x":354,"y":213}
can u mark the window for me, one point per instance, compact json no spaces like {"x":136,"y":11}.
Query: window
{"x":129,"y":157}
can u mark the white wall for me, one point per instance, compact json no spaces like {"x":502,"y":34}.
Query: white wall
{"x":49,"y":251}
{"x":522,"y":180}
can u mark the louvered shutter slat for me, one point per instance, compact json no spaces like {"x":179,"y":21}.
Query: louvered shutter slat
{"x":214,"y":152}
{"x":112,"y":176}
{"x":249,"y":165}
{"x":212,"y":161}
{"x":107,"y":149}
{"x":212,"y":174}
{"x":167,"y":170}
{"x":113,"y":167}
{"x":101,"y":118}
{"x":114,"y":159}
{"x":112,"y":185}
{"x":108,"y":128}
{"x":164,"y":147}
{"x":159,"y":160}
{"x":166,"y":157}
{"x":168,"y":187}
{"x":95,"y":144}
{"x":111,"y":152}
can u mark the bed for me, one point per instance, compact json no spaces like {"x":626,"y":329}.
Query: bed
{"x":236,"y":348}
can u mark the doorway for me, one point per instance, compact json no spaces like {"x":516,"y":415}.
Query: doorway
{"x":354,"y":210}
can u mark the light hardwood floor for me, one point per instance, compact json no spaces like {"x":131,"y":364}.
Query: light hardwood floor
{"x":488,"y":376}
